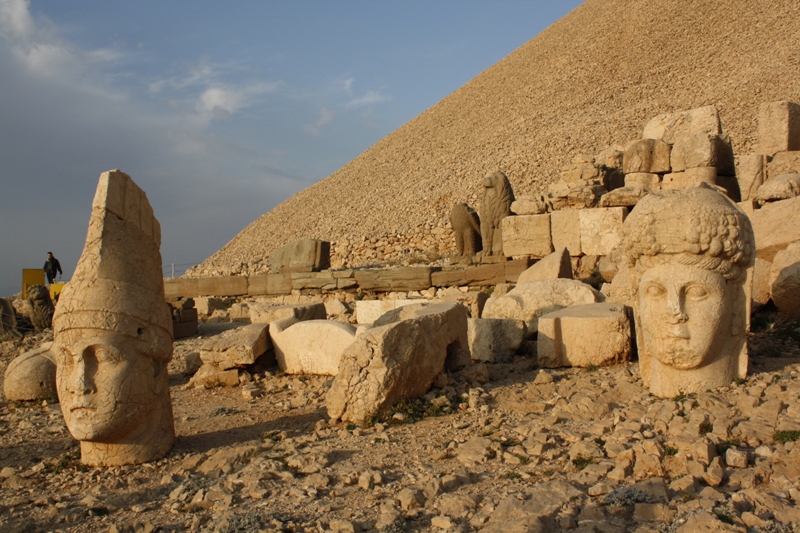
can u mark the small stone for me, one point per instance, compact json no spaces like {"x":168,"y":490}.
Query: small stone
{"x":736,"y":458}
{"x":442,"y":522}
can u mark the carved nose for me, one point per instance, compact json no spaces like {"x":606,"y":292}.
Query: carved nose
{"x":675,"y":314}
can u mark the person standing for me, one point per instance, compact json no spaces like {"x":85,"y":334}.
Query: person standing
{"x":51,"y":266}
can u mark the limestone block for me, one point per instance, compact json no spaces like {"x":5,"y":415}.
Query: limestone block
{"x":398,"y":361}
{"x":305,"y":255}
{"x":210,"y":376}
{"x":784,"y":281}
{"x":528,"y":205}
{"x":177,"y":287}
{"x":783,"y":163}
{"x":222,"y":286}
{"x":31,"y":376}
{"x":312,"y":346}
{"x":585,"y":335}
{"x":206,"y":306}
{"x":494,"y":340}
{"x":529,"y":301}
{"x":751,"y":171}
{"x":555,"y":265}
{"x":690,"y":176}
{"x":761,"y":283}
{"x":776,"y":226}
{"x":601,"y":229}
{"x":779,"y":188}
{"x":368,"y":311}
{"x":526,"y":235}
{"x":336,"y":308}
{"x":396,"y":279}
{"x":565,"y":228}
{"x":313,"y":280}
{"x":703,"y":150}
{"x":623,"y":197}
{"x":643,"y":180}
{"x":263,"y":313}
{"x":562,"y":196}
{"x":646,"y":155}
{"x":702,"y":120}
{"x":236,"y":348}
{"x":491,"y":274}
{"x":515,"y":267}
{"x":269,"y":284}
{"x":474,"y":301}
{"x":611,"y":157}
{"x":778,"y":127}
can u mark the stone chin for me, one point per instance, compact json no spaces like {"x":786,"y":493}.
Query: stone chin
{"x":679,"y":358}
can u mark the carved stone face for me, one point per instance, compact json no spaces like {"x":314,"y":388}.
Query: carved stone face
{"x":685,"y":314}
{"x":105,"y":394}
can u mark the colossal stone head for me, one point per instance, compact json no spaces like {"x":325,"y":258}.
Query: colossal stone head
{"x":113,"y":333}
{"x":690,"y":252}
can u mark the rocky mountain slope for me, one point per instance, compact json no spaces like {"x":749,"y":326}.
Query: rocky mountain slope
{"x":589,"y":81}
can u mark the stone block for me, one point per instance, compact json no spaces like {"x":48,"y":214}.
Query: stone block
{"x":180,"y":287}
{"x":494,"y":340}
{"x":515,"y":267}
{"x":643,"y":180}
{"x":562,"y":196}
{"x":314,"y":280}
{"x":784,"y":281}
{"x":222,"y":286}
{"x":31,"y":376}
{"x":601,"y":229}
{"x":778,"y":127}
{"x":527,"y":235}
{"x":474,"y":301}
{"x":751,"y":171}
{"x":555,"y":265}
{"x":690,"y":176}
{"x":701,"y":120}
{"x":783,"y":163}
{"x":397,"y":361}
{"x":565,"y":229}
{"x":344,"y":284}
{"x":368,"y":311}
{"x":236,"y":348}
{"x":181,"y":330}
{"x":646,"y":155}
{"x":528,"y":205}
{"x":396,"y":279}
{"x":483,"y":275}
{"x":585,"y":335}
{"x":269,"y":284}
{"x":776,"y":226}
{"x":779,"y":188}
{"x":529,"y":301}
{"x":305,"y":255}
{"x":703,"y":150}
{"x":206,"y":305}
{"x":210,"y":376}
{"x":311,"y":347}
{"x":761,"y":283}
{"x":263,"y":313}
{"x":623,"y":197}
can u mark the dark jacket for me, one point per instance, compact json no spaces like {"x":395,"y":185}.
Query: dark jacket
{"x":52,"y":266}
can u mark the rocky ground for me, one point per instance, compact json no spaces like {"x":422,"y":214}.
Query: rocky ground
{"x":502,"y":447}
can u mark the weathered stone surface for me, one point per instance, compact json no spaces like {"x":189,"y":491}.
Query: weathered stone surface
{"x":491,"y":274}
{"x":783,"y":163}
{"x":751,"y":172}
{"x":784,"y":282}
{"x":776,"y":226}
{"x":565,"y":229}
{"x":669,"y":126}
{"x":601,"y":229}
{"x":527,"y":235}
{"x":623,"y":197}
{"x":368,"y":311}
{"x":210,"y":376}
{"x":529,"y":301}
{"x":41,"y":306}
{"x":646,"y":155}
{"x":8,"y":321}
{"x":761,"y":282}
{"x":496,"y":206}
{"x":396,"y":279}
{"x":472,"y":300}
{"x":177,"y":287}
{"x":528,"y":205}
{"x":236,"y":348}
{"x":585,"y":335}
{"x":562,"y":196}
{"x":206,"y":306}
{"x":304,"y":255}
{"x":515,"y":267}
{"x":555,"y":265}
{"x":397,"y":361}
{"x":312,"y":346}
{"x":264,"y":313}
{"x":31,"y":376}
{"x":495,"y":340}
{"x":703,"y":150}
{"x":466,"y":227}
{"x":643,"y":180}
{"x":780,"y":187}
{"x":222,"y":286}
{"x":778,"y":127}
{"x":314,"y":280}
{"x":690,"y":176}
{"x":692,"y":294}
{"x":269,"y":284}
{"x":113,"y":333}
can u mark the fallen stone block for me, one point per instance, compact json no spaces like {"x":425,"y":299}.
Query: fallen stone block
{"x":397,"y":361}
{"x":304,"y":255}
{"x":623,"y":197}
{"x":529,"y":301}
{"x":690,"y":176}
{"x":368,"y":311}
{"x":784,"y":281}
{"x":236,"y":348}
{"x":472,"y":300}
{"x":396,"y":279}
{"x":776,"y":226}
{"x":778,"y":127}
{"x":647,"y":156}
{"x":751,"y":172}
{"x":31,"y":376}
{"x":555,"y":265}
{"x":585,"y":335}
{"x":601,"y":229}
{"x":527,"y":235}
{"x":311,"y":346}
{"x":703,"y":150}
{"x":261,"y":313}
{"x":495,"y":340}
{"x":210,"y":376}
{"x":701,"y":120}
{"x":780,"y":187}
{"x":565,"y":229}
{"x":783,"y":163}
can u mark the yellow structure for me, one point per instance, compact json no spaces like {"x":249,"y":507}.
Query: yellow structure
{"x":55,"y":289}
{"x":32,"y":276}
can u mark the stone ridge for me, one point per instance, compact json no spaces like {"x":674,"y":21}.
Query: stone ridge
{"x":589,"y":81}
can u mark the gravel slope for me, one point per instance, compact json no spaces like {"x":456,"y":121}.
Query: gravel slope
{"x":589,"y":81}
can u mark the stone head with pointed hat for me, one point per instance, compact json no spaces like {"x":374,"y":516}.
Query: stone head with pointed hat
{"x":113,"y":333}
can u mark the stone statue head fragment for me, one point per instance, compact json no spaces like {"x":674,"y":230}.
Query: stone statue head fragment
{"x":690,"y":251}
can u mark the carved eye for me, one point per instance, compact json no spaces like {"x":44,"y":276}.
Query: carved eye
{"x":654,"y":291}
{"x":106,"y":355}
{"x":696,"y":292}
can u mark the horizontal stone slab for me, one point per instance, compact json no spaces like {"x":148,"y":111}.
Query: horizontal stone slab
{"x":222,"y":286}
{"x":269,"y":284}
{"x":398,"y":279}
{"x":176,"y":287}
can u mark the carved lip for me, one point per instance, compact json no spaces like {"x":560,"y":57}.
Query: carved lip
{"x":83,"y":407}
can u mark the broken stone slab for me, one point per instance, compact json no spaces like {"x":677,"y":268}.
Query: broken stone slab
{"x":311,"y":346}
{"x":397,"y":361}
{"x":528,"y":205}
{"x":304,"y":255}
{"x":495,"y":340}
{"x":668,"y":126}
{"x":601,"y":229}
{"x":553,"y":266}
{"x":778,"y":127}
{"x":529,"y":301}
{"x":236,"y":348}
{"x":585,"y":335}
{"x":31,"y":376}
{"x":368,"y":311}
{"x":780,"y":187}
{"x":263,"y":313}
{"x":784,"y":281}
{"x":776,"y":226}
{"x":565,"y":229}
{"x":396,"y":279}
{"x":647,"y":156}
{"x":527,"y":235}
{"x":751,"y":172}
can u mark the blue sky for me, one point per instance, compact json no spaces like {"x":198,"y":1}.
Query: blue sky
{"x":218,"y":110}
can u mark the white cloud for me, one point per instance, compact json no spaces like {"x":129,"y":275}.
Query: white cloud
{"x":325,"y":118}
{"x":15,"y":20}
{"x":370,"y":98}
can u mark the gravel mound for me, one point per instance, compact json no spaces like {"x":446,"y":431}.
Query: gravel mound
{"x":589,"y":81}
